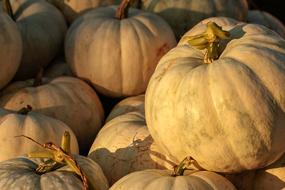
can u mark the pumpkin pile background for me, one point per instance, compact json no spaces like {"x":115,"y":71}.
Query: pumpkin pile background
{"x":145,"y":103}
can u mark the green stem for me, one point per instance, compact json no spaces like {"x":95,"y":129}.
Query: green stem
{"x":185,"y":165}
{"x":123,"y":9}
{"x":210,"y":41}
{"x":8,"y":9}
{"x":25,"y":110}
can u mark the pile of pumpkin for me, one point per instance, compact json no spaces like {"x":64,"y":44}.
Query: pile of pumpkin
{"x":207,"y":112}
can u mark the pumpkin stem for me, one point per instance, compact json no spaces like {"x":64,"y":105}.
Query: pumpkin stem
{"x":57,"y":157}
{"x":39,"y":78}
{"x":25,"y":110}
{"x":185,"y":165}
{"x":123,"y":9}
{"x":209,"y":40}
{"x":8,"y":9}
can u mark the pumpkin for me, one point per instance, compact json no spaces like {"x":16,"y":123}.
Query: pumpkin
{"x":71,"y":9}
{"x":38,"y":126}
{"x":270,"y":178}
{"x":65,"y":98}
{"x":57,"y":68}
{"x":182,"y":15}
{"x":224,"y":106}
{"x":52,"y":168}
{"x":42,"y":28}
{"x":164,"y":179}
{"x":117,"y":56}
{"x":130,"y":104}
{"x":11,"y":50}
{"x":266,"y":19}
{"x":124,"y":144}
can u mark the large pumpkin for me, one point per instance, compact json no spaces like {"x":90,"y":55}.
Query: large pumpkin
{"x":42,"y":28}
{"x":266,"y":19}
{"x":71,"y":9}
{"x":164,"y":179}
{"x":228,"y":115}
{"x":124,"y":145}
{"x":65,"y":98}
{"x":117,"y":55}
{"x":20,"y":173}
{"x":11,"y":49}
{"x":35,"y":125}
{"x":182,"y":15}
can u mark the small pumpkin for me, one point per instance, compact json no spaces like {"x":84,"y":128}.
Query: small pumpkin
{"x":266,"y":19}
{"x":32,"y":124}
{"x":42,"y":29}
{"x":124,"y":144}
{"x":169,"y":180}
{"x":71,"y":9}
{"x":58,"y":169}
{"x":67,"y":99}
{"x":11,"y":49}
{"x":182,"y":15}
{"x":117,"y":49}
{"x":219,"y":97}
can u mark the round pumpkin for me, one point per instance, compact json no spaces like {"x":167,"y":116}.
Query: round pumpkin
{"x":130,"y":104}
{"x":124,"y":145}
{"x":20,"y":173}
{"x":182,"y":15}
{"x":11,"y":49}
{"x":65,"y":98}
{"x":37,"y":126}
{"x":164,"y":179}
{"x":42,"y":28}
{"x":71,"y":9}
{"x":228,"y":115}
{"x":117,"y":55}
{"x":266,"y":19}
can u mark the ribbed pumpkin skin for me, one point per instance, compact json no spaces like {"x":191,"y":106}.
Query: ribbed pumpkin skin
{"x":266,"y":19}
{"x":124,"y":144}
{"x":37,"y":126}
{"x":182,"y":15}
{"x":163,"y":179}
{"x":228,"y":115}
{"x":71,"y":9}
{"x":117,"y":56}
{"x":42,"y":28}
{"x":19,"y":173}
{"x":11,"y":49}
{"x":65,"y":98}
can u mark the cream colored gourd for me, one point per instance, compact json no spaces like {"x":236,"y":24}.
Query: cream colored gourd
{"x":228,"y":115}
{"x":182,"y":15}
{"x":164,"y":179}
{"x":266,"y":19}
{"x":124,"y":144}
{"x":19,"y":173}
{"x":32,"y":124}
{"x":117,"y":56}
{"x":11,"y":49}
{"x":42,"y":28}
{"x":65,"y":98}
{"x":71,"y":9}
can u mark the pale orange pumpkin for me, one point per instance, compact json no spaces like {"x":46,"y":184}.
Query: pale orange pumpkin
{"x":227,"y":114}
{"x":11,"y":49}
{"x":124,"y":144}
{"x":42,"y":28}
{"x":68,"y":99}
{"x":117,"y":55}
{"x":35,"y":125}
